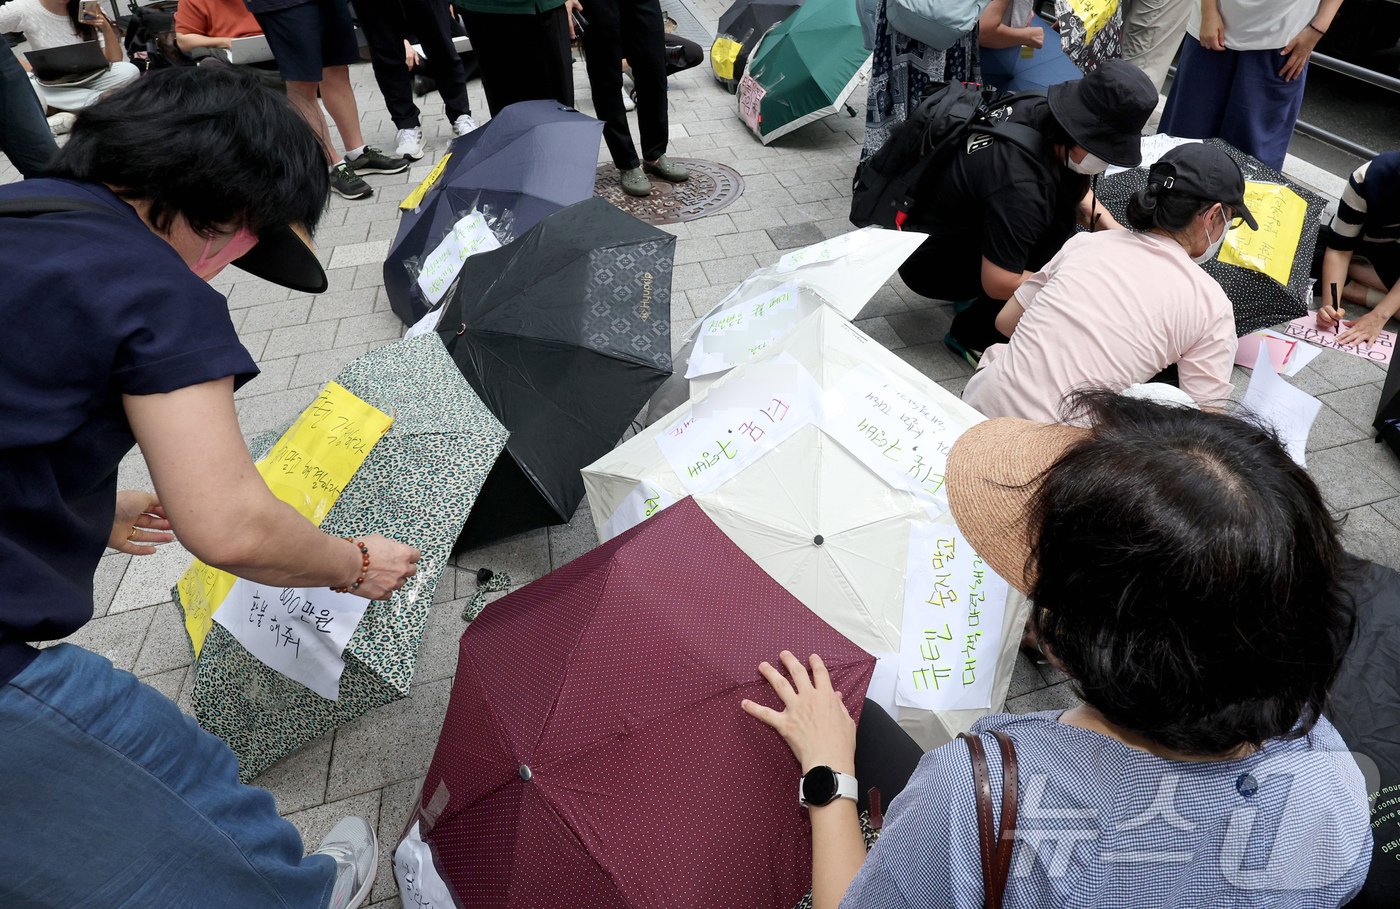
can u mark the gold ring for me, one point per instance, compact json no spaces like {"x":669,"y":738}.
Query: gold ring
{"x":134,"y":530}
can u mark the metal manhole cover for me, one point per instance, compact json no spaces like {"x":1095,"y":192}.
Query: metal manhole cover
{"x":711,"y":187}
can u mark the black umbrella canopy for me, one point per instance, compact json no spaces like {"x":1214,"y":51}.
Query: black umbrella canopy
{"x":1259,"y":301}
{"x":746,"y":22}
{"x":564,"y":333}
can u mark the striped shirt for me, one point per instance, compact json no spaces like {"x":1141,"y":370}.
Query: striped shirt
{"x":1106,"y":826}
{"x":1369,"y":211}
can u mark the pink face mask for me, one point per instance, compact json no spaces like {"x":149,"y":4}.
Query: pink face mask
{"x":208,"y":265}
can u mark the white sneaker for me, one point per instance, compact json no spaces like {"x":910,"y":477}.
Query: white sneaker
{"x":463,"y":125}
{"x":627,"y":102}
{"x":61,"y":122}
{"x":355,"y":848}
{"x":409,"y":143}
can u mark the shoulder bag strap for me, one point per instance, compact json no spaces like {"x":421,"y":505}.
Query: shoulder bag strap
{"x":44,"y":205}
{"x":995,"y":849}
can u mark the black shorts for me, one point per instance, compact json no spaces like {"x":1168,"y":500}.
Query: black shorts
{"x":1385,"y":259}
{"x":309,"y":37}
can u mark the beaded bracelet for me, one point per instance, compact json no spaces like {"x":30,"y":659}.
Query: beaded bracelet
{"x":364,"y":567}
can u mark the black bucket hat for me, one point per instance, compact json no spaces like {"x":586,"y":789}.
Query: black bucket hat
{"x":1106,"y":110}
{"x":1202,"y":172}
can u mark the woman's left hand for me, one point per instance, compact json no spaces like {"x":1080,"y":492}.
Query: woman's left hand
{"x":140,"y":524}
{"x":1363,"y":330}
{"x":814,"y":722}
{"x":1298,"y":51}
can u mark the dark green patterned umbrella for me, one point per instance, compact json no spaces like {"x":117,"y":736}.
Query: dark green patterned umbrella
{"x":417,"y":486}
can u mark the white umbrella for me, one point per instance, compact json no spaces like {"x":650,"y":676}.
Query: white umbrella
{"x":823,"y":460}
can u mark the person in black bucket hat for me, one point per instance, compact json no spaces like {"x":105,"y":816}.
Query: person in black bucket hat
{"x":995,"y":213}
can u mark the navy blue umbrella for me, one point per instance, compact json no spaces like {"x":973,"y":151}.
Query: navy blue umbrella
{"x":530,"y":160}
{"x":1006,"y":68}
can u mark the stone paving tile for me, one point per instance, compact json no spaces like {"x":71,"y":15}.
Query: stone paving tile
{"x":110,"y":570}
{"x":167,"y":646}
{"x":390,"y":744}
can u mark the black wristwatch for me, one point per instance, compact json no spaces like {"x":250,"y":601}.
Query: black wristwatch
{"x":821,"y":786}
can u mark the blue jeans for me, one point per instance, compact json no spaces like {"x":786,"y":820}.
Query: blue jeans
{"x":25,"y":137}
{"x":111,"y":797}
{"x":1237,"y":96}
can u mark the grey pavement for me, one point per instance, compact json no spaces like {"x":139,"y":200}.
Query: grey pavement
{"x":796,"y":192}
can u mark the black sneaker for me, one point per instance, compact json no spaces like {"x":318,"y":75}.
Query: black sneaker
{"x":374,"y":161}
{"x":348,"y":184}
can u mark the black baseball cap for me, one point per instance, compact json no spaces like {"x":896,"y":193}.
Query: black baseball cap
{"x":1203,"y":172}
{"x":1105,"y":111}
{"x":285,"y":255}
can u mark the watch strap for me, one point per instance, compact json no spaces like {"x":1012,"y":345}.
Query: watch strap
{"x":847,"y":787}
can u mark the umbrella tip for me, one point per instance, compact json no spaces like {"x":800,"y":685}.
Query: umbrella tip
{"x":818,"y":540}
{"x":526,"y":773}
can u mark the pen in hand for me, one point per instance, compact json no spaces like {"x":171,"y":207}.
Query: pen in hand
{"x":1337,"y":310}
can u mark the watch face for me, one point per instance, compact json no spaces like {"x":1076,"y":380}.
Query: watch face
{"x":819,"y":786}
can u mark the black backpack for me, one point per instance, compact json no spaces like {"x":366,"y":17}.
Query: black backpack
{"x":882,"y":192}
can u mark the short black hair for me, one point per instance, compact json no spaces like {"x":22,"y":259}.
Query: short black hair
{"x":212,"y":144}
{"x":1162,"y":208}
{"x":1188,"y":576}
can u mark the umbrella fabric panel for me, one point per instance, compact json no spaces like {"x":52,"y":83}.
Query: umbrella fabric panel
{"x":418,"y":485}
{"x":807,"y":64}
{"x":598,"y":678}
{"x":1259,"y":301}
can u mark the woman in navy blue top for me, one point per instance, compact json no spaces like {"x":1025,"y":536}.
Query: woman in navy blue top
{"x":1184,"y":572}
{"x":113,"y":337}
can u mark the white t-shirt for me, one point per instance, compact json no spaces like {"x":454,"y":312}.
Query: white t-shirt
{"x":1258,"y":24}
{"x":1112,"y":309}
{"x":43,"y":28}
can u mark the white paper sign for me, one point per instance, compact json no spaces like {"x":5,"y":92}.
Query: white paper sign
{"x":1153,"y":148}
{"x":735,"y":335}
{"x":882,"y":682}
{"x":893,"y":429}
{"x":424,"y":325}
{"x":300,"y":632}
{"x":640,"y":504}
{"x":739,"y":421}
{"x":953,"y":612}
{"x":420,"y":885}
{"x":469,"y":236}
{"x":1275,"y":403}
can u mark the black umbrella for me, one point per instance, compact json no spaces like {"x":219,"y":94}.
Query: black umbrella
{"x":1259,"y":300}
{"x":564,"y":334}
{"x":531,"y":159}
{"x":741,"y":27}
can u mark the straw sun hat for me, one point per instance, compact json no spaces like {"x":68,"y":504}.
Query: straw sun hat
{"x":994,"y":470}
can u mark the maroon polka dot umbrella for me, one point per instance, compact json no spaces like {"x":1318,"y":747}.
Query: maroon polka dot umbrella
{"x":594,"y":752}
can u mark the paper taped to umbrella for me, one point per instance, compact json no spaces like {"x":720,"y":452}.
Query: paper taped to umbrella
{"x":564,"y":334}
{"x":828,"y":501}
{"x":740,"y":29}
{"x":416,"y":485}
{"x":531,"y":159}
{"x":1266,"y":274}
{"x":594,"y":752}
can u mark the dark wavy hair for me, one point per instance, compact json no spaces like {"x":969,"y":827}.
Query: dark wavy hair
{"x":208,"y":143}
{"x":1188,"y":576}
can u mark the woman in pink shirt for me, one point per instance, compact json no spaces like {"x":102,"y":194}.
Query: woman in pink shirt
{"x":1115,"y":308}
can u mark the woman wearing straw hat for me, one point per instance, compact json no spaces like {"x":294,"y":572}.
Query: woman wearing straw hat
{"x":1186,"y":576}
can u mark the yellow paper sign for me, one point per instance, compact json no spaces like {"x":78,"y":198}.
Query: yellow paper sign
{"x":723,"y":55}
{"x":1270,"y":249}
{"x":1095,"y":14}
{"x":307,"y":468}
{"x":415,"y":197}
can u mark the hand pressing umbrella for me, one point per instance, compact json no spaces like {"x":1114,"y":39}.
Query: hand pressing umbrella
{"x":594,"y":751}
{"x":531,"y":159}
{"x":564,"y":334}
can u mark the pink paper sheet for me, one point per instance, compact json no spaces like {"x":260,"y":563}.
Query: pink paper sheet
{"x":1304,"y":328}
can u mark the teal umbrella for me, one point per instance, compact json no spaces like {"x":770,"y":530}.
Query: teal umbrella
{"x":804,"y":69}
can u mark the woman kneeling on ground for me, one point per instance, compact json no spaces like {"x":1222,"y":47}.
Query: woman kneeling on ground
{"x":1185,"y":575}
{"x":1115,"y":308}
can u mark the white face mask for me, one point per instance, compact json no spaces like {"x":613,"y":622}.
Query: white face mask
{"x":1092,"y":165}
{"x":1214,"y":245}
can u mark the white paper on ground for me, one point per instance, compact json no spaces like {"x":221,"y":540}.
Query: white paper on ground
{"x":891,"y":428}
{"x":641,"y":503}
{"x":1277,"y":404}
{"x":300,"y":632}
{"x":738,"y":333}
{"x":882,"y":682}
{"x":424,"y":325}
{"x":420,"y":885}
{"x":1153,"y":148}
{"x":950,"y":639}
{"x":739,"y":421}
{"x":469,"y":236}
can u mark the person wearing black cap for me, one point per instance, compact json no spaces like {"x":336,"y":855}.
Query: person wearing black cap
{"x":117,"y":339}
{"x":995,"y":212}
{"x":1116,"y":308}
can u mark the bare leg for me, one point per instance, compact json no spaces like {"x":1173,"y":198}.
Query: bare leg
{"x":303,"y":98}
{"x":1366,"y":274}
{"x":339,"y":99}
